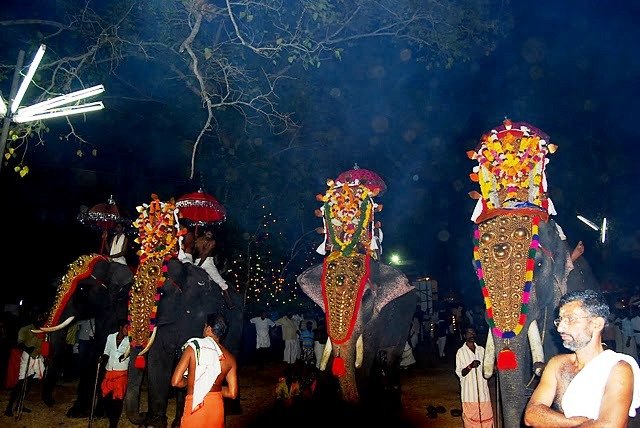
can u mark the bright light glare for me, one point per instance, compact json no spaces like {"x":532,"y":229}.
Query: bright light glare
{"x":63,"y":111}
{"x":603,"y":230}
{"x":3,"y":107}
{"x":27,"y":79}
{"x":589,"y":223}
{"x":61,"y":100}
{"x":395,"y":259}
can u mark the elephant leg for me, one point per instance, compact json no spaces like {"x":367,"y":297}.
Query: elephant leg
{"x":160,"y":368}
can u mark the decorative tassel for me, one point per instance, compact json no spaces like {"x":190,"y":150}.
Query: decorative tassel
{"x":140,"y":362}
{"x":338,"y":368}
{"x":507,"y":360}
{"x":45,"y":349}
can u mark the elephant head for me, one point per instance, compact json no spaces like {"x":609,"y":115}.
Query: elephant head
{"x":93,"y":287}
{"x":368,"y":305}
{"x":521,"y":259}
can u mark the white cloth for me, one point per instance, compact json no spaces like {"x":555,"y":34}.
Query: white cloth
{"x":86,"y":329}
{"x":212,"y":270}
{"x":185,"y":257}
{"x":584,"y":394}
{"x":407,"y":356}
{"x":318,"y":349}
{"x":113,"y":351}
{"x":473,"y":386}
{"x":117,"y":245}
{"x":208,"y":368}
{"x":262,"y":331}
{"x":36,"y":366}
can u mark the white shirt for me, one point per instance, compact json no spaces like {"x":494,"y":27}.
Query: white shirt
{"x":468,"y":389}
{"x":116,"y":247}
{"x":114,"y":351}
{"x":262,"y":331}
{"x":86,"y":329}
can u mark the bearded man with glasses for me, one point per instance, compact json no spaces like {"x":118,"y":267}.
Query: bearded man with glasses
{"x":592,"y":386}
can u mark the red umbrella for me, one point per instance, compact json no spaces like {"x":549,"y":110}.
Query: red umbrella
{"x":200,"y":209}
{"x":366,"y":177}
{"x":103,"y":217}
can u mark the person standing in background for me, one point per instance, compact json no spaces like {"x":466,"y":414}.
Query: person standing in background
{"x":474,"y":389}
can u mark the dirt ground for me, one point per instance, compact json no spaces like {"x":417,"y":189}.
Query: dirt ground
{"x":431,"y":382}
{"x":428,"y":383}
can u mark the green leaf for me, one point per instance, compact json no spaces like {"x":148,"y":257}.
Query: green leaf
{"x":291,"y":59}
{"x":208,"y":53}
{"x":279,"y":41}
{"x":318,"y":64}
{"x":249,"y":18}
{"x":338,"y":54}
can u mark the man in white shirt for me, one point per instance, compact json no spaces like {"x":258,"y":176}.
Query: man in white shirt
{"x":474,"y":390}
{"x":263,"y":341}
{"x":114,"y":384}
{"x":290,"y":337}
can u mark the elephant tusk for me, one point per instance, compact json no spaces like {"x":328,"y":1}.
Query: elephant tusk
{"x":150,"y":342}
{"x":55,"y":327}
{"x":489,"y":357}
{"x":359,"y":351}
{"x":535,"y":342}
{"x":325,"y":355}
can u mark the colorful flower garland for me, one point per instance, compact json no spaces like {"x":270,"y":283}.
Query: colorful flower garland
{"x":347,"y":211}
{"x":524,"y":308}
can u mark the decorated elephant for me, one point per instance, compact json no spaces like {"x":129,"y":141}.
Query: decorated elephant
{"x":93,"y":287}
{"x":166,"y":302}
{"x":522,"y":260}
{"x":368,"y":305}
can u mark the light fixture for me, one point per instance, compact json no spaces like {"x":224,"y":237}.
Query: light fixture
{"x":603,"y":230}
{"x":61,"y":100}
{"x":588,"y":222}
{"x":63,"y":111}
{"x":27,"y":79}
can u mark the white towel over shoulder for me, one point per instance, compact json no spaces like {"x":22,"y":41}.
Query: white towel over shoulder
{"x":584,"y":394}
{"x":208,"y":355}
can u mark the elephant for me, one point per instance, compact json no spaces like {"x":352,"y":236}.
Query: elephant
{"x":521,"y":259}
{"x":97,"y":288}
{"x":188,"y":296}
{"x":554,"y":275}
{"x":93,"y":287}
{"x":381,"y":323}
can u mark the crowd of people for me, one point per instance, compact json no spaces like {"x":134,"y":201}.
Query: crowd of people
{"x":602,"y":338}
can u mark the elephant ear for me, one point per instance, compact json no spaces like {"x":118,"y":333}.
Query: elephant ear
{"x":309,"y":282}
{"x":390,"y":284}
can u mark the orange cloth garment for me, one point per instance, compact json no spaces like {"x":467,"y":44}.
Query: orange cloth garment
{"x":471,"y":413}
{"x":115,"y":381}
{"x":210,"y":414}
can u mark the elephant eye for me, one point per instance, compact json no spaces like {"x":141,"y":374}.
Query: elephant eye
{"x":331,"y":266}
{"x":356,"y":264}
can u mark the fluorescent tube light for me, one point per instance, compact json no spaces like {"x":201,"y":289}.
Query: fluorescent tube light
{"x":63,"y":111}
{"x":27,"y":79}
{"x":61,"y":100}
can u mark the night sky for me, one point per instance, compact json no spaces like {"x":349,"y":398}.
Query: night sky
{"x":568,"y":68}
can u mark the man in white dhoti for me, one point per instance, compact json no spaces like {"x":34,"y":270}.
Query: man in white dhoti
{"x":474,"y":389}
{"x":591,"y":386}
{"x":263,"y":340}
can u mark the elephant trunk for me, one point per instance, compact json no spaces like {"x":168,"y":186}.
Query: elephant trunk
{"x":132,"y":396}
{"x":348,"y":386}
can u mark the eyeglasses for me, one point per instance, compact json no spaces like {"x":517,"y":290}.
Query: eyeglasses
{"x":569,"y":320}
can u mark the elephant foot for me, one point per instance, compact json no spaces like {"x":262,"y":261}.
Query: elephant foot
{"x":157,"y":422}
{"x":77,"y":412}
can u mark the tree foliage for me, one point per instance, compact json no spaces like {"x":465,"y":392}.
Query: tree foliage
{"x":233,"y":57}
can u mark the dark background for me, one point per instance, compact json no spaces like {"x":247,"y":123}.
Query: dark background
{"x":569,"y":68}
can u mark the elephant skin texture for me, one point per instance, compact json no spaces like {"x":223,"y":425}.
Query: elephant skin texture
{"x":554,"y":275}
{"x":383,"y":320}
